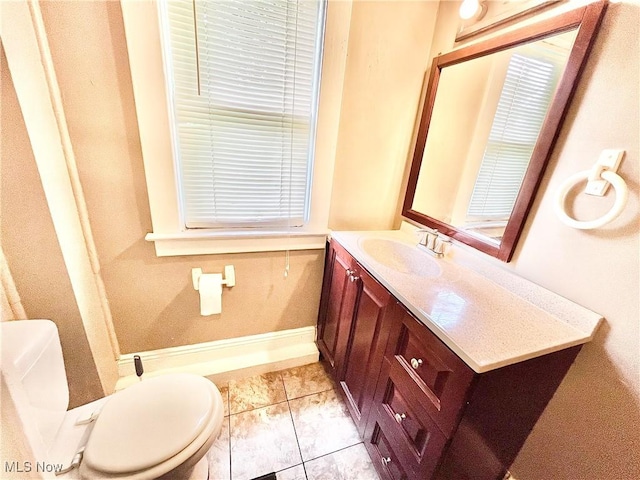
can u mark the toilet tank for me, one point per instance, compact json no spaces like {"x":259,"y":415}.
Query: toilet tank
{"x":33,"y":368}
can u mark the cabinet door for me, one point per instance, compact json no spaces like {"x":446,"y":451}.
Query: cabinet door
{"x":373,"y":312}
{"x":336,"y":305}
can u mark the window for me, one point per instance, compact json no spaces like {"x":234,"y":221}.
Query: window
{"x":243,"y":83}
{"x":291,"y":221}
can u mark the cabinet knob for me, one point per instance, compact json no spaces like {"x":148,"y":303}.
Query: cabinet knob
{"x":353,"y":278}
{"x":415,"y":363}
{"x":349,"y":272}
{"x":400,"y":417}
{"x":386,"y":460}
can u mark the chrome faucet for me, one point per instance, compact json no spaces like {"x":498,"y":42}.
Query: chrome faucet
{"x":433,"y":241}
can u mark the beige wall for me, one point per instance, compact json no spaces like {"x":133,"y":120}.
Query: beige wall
{"x":33,"y":254}
{"x":388,"y":52}
{"x":591,"y":428}
{"x":152,"y":299}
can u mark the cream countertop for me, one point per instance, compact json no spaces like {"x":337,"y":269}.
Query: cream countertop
{"x":489,"y":317}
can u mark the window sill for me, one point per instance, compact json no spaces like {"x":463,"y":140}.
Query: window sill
{"x":206,"y":242}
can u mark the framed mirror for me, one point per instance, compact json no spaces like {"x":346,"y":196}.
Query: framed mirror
{"x":491,"y":115}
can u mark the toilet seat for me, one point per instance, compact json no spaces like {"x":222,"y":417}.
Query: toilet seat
{"x":152,"y":427}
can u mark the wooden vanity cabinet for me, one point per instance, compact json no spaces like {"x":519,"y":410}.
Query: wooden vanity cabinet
{"x":444,"y":421}
{"x":421,"y":411}
{"x":355,"y":316}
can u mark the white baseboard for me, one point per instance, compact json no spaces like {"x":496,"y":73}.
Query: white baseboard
{"x":227,"y":359}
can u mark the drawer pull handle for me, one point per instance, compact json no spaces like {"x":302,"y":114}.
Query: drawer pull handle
{"x":415,"y":363}
{"x":400,"y":417}
{"x":386,"y":461}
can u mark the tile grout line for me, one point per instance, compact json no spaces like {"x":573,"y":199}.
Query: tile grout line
{"x":314,"y":393}
{"x":288,"y":400}
{"x":293,"y":423}
{"x":335,"y":451}
{"x":361,"y":442}
{"x":256,"y":408}
{"x":304,"y":462}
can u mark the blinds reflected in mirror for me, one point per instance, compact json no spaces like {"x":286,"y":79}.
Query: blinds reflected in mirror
{"x":522,"y":107}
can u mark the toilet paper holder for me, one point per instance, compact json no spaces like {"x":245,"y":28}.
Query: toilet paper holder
{"x":229,"y":276}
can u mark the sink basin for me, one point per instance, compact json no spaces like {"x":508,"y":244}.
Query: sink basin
{"x":400,"y":257}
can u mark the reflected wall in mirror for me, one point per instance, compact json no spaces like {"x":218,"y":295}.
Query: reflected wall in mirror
{"x":491,"y":115}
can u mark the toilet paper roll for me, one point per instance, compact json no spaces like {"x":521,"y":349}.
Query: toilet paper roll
{"x":210,"y":293}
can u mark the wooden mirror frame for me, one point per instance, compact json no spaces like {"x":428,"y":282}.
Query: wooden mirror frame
{"x":586,"y":20}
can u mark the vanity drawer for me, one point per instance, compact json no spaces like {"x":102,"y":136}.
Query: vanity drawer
{"x":397,"y":405}
{"x":388,"y":464}
{"x":435,"y":376}
{"x":417,"y":440}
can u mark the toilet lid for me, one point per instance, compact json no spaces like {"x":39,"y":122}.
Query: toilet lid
{"x":148,"y":423}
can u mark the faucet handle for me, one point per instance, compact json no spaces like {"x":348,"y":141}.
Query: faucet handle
{"x":426,"y":236}
{"x":440,"y":243}
{"x":431,"y":239}
{"x":422,"y":234}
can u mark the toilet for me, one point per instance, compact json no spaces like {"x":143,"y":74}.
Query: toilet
{"x":161,"y":427}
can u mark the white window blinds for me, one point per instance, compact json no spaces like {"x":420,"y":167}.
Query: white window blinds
{"x":243,"y":77}
{"x":526,"y":94}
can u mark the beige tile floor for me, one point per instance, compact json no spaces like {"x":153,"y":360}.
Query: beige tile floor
{"x":291,"y":422}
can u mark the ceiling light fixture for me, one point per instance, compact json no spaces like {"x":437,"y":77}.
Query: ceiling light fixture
{"x":472,"y":9}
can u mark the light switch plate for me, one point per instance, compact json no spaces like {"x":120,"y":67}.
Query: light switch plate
{"x":610,"y":159}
